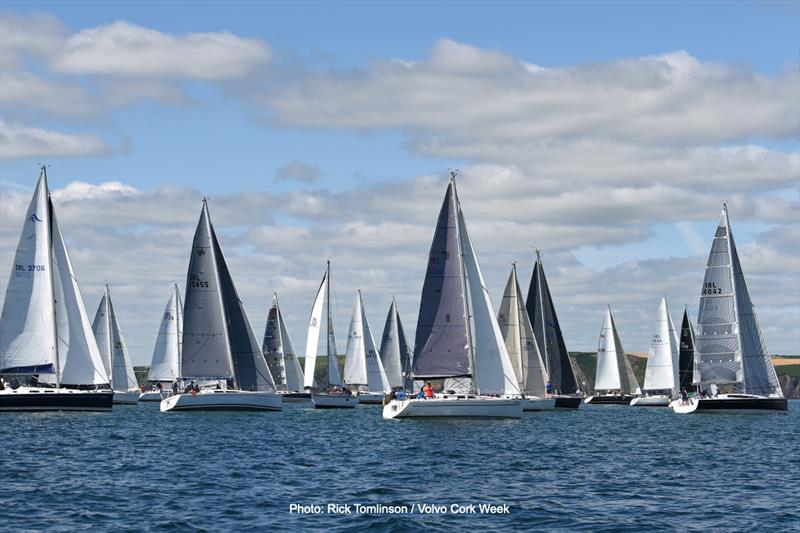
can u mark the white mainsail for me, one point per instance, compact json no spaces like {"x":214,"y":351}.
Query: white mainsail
{"x":614,"y":372}
{"x":520,"y":341}
{"x":312,"y":340}
{"x":729,"y":345}
{"x":165,"y":365}
{"x":662,"y":357}
{"x":27,"y":331}
{"x":112,"y":346}
{"x":363,"y":366}
{"x":492,"y":370}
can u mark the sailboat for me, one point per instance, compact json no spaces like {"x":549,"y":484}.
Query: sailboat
{"x":614,"y":373}
{"x":686,"y":353}
{"x":730,"y":350}
{"x":45,"y":334}
{"x":218,"y":346}
{"x":337,"y":396}
{"x":546,"y":329}
{"x":395,"y":353}
{"x":661,"y":373}
{"x":457,"y":332}
{"x":165,"y":367}
{"x":114,"y":352}
{"x":363,"y":369}
{"x":281,"y":357}
{"x":522,"y":348}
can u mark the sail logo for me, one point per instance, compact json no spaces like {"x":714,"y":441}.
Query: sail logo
{"x":201,"y":252}
{"x":35,"y":218}
{"x":313,"y":323}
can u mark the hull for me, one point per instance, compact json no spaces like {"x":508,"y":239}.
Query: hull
{"x":45,"y":399}
{"x":295,"y":396}
{"x":475,"y":407}
{"x":568,"y":402}
{"x":152,"y":396}
{"x":730,"y":404}
{"x":538,"y":404}
{"x":609,"y":399}
{"x":223,"y":400}
{"x":334,"y":401}
{"x":370,"y":398}
{"x":126,"y":397}
{"x":651,"y":401}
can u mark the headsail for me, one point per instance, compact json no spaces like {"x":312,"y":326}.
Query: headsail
{"x":730,"y":348}
{"x":441,"y":349}
{"x":294,"y":373}
{"x":662,"y":358}
{"x":165,"y":365}
{"x":395,"y":353}
{"x":686,"y":354}
{"x":542,"y":315}
{"x":27,"y":329}
{"x":614,"y":372}
{"x":520,"y":341}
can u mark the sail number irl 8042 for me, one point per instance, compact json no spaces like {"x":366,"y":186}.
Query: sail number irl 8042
{"x":196,"y":283}
{"x":711,"y":288}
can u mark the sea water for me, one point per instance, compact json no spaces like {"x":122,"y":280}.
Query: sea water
{"x":600,"y":468}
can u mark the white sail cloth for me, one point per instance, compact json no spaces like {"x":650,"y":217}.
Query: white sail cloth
{"x":362,"y":364}
{"x":112,"y":346}
{"x":661,"y":372}
{"x":165,"y":365}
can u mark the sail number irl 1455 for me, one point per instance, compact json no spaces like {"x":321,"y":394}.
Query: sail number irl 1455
{"x":196,"y":283}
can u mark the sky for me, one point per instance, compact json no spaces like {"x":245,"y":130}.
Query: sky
{"x":608,"y":134}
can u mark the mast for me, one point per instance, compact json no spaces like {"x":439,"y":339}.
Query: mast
{"x":470,"y":343}
{"x":52,"y":281}
{"x":280,"y":336}
{"x":733,"y":289}
{"x":179,"y":329}
{"x":541,"y":311}
{"x":110,"y":338}
{"x":219,"y":294}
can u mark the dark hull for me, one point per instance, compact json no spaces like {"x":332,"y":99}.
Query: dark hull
{"x":297,"y":395}
{"x":742,"y":404}
{"x":568,"y":402}
{"x":611,"y":399}
{"x":56,"y":401}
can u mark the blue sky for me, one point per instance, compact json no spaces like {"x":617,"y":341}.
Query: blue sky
{"x":172,"y":137}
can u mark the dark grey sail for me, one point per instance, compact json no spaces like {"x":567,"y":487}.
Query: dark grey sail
{"x":729,"y":347}
{"x":249,"y":365}
{"x":686,"y":354}
{"x":441,"y":348}
{"x":395,"y":352}
{"x":272,"y":348}
{"x":547,"y":331}
{"x":205,"y":351}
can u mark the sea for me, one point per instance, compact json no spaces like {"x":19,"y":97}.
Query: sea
{"x":599,"y":468}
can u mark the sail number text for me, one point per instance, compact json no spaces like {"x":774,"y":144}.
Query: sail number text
{"x":30,"y":268}
{"x":197,"y":283}
{"x":711,"y":288}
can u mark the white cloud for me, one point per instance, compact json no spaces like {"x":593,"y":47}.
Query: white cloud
{"x":22,"y":36}
{"x":18,"y":142}
{"x":299,"y":171}
{"x":125,"y":49}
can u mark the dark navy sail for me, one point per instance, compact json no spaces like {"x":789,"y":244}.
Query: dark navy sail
{"x":548,"y":335}
{"x":442,"y":340}
{"x":686,"y":354}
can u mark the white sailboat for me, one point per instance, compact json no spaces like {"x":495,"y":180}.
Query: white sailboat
{"x":45,"y":332}
{"x":661,"y":373}
{"x":457,"y":332}
{"x":165,"y":367}
{"x":614,"y":380}
{"x":281,"y":357}
{"x":363,"y":369}
{"x":522,"y":347}
{"x":732,"y":367}
{"x":218,"y":346}
{"x":395,"y":353}
{"x":331,"y":395}
{"x":114,"y":352}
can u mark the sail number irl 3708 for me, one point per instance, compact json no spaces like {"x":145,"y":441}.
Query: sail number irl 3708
{"x":24,"y":270}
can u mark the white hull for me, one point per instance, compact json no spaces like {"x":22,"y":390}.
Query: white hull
{"x":372,"y":398}
{"x":152,"y":396}
{"x":538,"y":404}
{"x":334,"y":401}
{"x":126,"y":397}
{"x":229,"y":400}
{"x":452,"y":407}
{"x":735,"y":404}
{"x":651,"y":401}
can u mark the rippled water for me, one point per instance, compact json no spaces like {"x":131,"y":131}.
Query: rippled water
{"x":599,"y":468}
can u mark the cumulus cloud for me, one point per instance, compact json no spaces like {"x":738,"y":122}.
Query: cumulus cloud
{"x":18,"y":142}
{"x":299,"y":171}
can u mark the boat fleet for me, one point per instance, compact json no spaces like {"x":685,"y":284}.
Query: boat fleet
{"x":484,"y":363}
